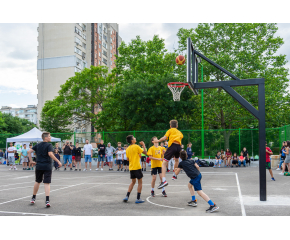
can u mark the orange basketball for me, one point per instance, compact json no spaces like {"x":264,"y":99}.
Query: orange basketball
{"x":180,"y":60}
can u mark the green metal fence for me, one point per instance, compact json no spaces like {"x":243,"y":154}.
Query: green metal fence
{"x":214,"y":140}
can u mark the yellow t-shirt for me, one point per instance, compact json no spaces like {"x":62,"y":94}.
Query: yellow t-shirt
{"x":155,"y":152}
{"x":132,"y":154}
{"x":174,"y":135}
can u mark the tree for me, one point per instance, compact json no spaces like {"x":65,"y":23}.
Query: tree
{"x":248,"y":51}
{"x":77,"y":100}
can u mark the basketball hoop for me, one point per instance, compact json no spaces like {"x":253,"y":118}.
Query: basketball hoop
{"x":176,"y":88}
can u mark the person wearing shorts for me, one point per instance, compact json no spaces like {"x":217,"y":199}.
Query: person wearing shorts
{"x":78,"y":157}
{"x":155,"y":153}
{"x":43,"y":168}
{"x":67,"y":155}
{"x":192,"y":171}
{"x":125,"y":160}
{"x":110,"y":152}
{"x":88,"y":154}
{"x":101,"y":155}
{"x":10,"y":158}
{"x":173,"y":150}
{"x":132,"y":154}
{"x":268,"y":161}
{"x":143,"y":161}
{"x":119,"y":157}
{"x":24,"y":157}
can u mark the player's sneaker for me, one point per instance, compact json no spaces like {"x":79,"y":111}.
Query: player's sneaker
{"x":102,"y":169}
{"x":168,"y":170}
{"x":125,"y":170}
{"x":192,"y":203}
{"x":162,"y":184}
{"x":10,"y":168}
{"x":32,"y":200}
{"x":278,"y":169}
{"x":212,"y":208}
{"x":152,"y":194}
{"x":139,"y":201}
{"x":47,"y":204}
{"x":15,"y":169}
{"x":64,"y":169}
{"x":164,"y":194}
{"x":85,"y":169}
{"x":126,"y":199}
{"x":174,"y":177}
{"x":273,"y":179}
{"x":281,"y":173}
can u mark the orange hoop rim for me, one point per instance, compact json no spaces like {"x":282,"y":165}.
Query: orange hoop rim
{"x":177,"y":84}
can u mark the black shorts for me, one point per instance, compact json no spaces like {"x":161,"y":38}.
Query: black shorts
{"x":143,"y":159}
{"x":156,"y":170}
{"x":136,"y":174}
{"x":172,"y":151}
{"x":126,"y":163}
{"x":119,"y":162}
{"x":43,"y":175}
{"x":235,"y":162}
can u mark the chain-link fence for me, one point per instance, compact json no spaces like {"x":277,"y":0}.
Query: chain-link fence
{"x":214,"y":139}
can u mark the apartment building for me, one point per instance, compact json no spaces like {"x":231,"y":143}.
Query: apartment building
{"x":66,"y":48}
{"x":29,"y":113}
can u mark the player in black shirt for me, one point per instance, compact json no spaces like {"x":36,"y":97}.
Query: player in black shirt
{"x":43,"y":168}
{"x":192,"y":171}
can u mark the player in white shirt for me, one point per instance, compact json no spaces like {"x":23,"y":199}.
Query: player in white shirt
{"x":88,"y":154}
{"x":11,"y":158}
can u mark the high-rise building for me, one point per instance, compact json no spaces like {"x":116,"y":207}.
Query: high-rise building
{"x":66,"y":48}
{"x":29,"y":113}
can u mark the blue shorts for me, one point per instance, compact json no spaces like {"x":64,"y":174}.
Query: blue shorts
{"x":196,"y":183}
{"x":119,"y":162}
{"x":67,"y":158}
{"x":88,"y":158}
{"x":101,"y":158}
{"x":110,"y":158}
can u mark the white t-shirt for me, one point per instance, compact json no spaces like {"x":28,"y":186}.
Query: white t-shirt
{"x":11,"y":149}
{"x":125,"y":157}
{"x":119,"y":154}
{"x":88,"y":149}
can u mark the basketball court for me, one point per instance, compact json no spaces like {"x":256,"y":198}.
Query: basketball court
{"x":235,"y":191}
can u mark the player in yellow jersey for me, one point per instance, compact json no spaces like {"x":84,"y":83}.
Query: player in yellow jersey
{"x":173,"y":150}
{"x":155,"y":153}
{"x":132,"y":153}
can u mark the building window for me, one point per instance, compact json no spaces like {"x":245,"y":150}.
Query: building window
{"x":95,"y":47}
{"x":78,"y":51}
{"x":100,"y":37}
{"x":105,"y":53}
{"x":100,"y":46}
{"x":105,"y":61}
{"x":95,"y":55}
{"x":111,"y":55}
{"x":99,"y":62}
{"x":111,"y":40}
{"x":104,"y":45}
{"x":113,"y":45}
{"x":99,"y":54}
{"x":111,"y":63}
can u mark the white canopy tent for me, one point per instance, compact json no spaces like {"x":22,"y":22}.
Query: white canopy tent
{"x":34,"y":135}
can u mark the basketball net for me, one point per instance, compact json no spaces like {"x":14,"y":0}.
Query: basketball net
{"x":176,"y":88}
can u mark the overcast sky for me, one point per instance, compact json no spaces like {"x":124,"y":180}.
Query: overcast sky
{"x":18,"y":54}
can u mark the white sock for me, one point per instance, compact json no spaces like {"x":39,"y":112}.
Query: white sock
{"x":163,"y":189}
{"x":163,"y":179}
{"x":174,"y":175}
{"x":152,"y":189}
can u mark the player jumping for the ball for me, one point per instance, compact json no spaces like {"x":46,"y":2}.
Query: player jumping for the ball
{"x":174,"y":148}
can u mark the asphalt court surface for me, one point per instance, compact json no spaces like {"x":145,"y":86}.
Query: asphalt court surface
{"x":234,"y":190}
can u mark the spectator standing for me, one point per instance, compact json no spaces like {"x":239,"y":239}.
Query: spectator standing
{"x":78,"y":157}
{"x":1,"y":155}
{"x":67,"y":155}
{"x":88,"y":154}
{"x":73,"y":155}
{"x":43,"y":168}
{"x":119,"y":157}
{"x":287,"y":159}
{"x":189,"y":151}
{"x":11,"y":158}
{"x":268,"y":161}
{"x":282,"y":155}
{"x":110,"y":152}
{"x":228,"y":157}
{"x":56,"y":165}
{"x":58,"y":148}
{"x":235,"y":160}
{"x":101,"y":155}
{"x":246,"y":155}
{"x":242,"y":159}
{"x":143,"y":160}
{"x":119,"y":145}
{"x":125,"y":160}
{"x":24,"y":157}
{"x":31,"y":164}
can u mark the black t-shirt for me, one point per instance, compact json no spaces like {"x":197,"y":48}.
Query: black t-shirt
{"x":78,"y":151}
{"x":102,"y":148}
{"x":245,"y":153}
{"x":44,"y":162}
{"x":59,"y":149}
{"x":218,"y":157}
{"x":189,"y":168}
{"x":67,"y":150}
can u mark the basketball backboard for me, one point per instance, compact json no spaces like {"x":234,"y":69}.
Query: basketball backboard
{"x":192,"y":67}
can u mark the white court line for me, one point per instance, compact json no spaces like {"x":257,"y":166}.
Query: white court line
{"x":147,"y":199}
{"x":4,"y":185}
{"x":241,"y":197}
{"x":25,"y":176}
{"x":40,"y":193}
{"x":25,"y":213}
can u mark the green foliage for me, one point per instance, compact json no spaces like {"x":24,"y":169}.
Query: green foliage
{"x":248,"y":51}
{"x":77,"y":100}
